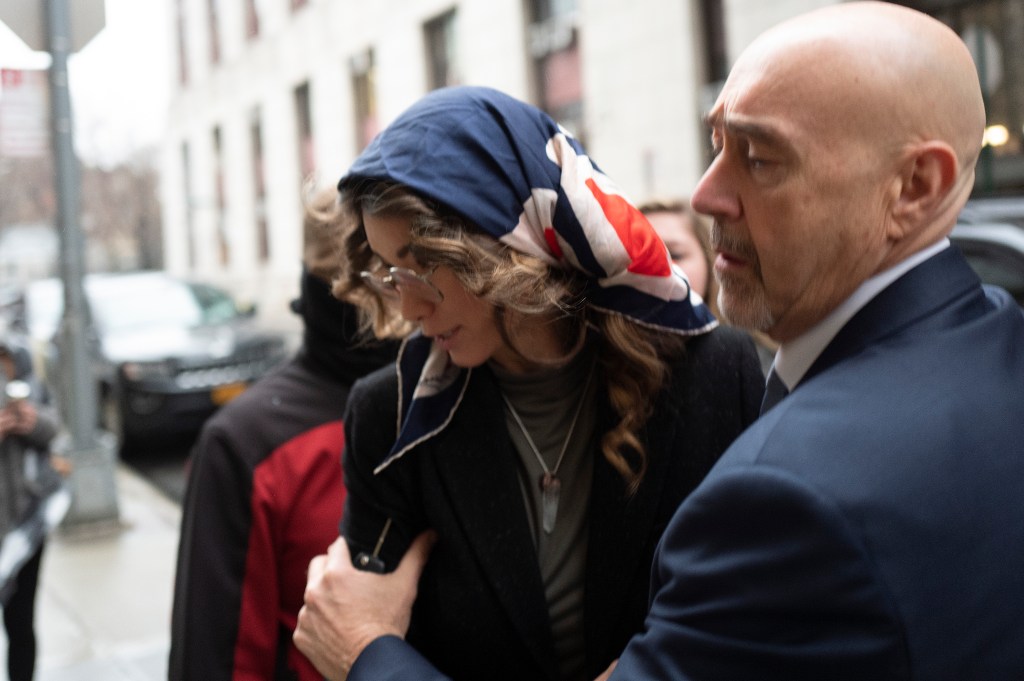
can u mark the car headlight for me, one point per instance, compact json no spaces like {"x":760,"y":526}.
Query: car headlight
{"x":141,"y":371}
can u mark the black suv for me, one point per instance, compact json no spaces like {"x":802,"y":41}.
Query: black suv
{"x":166,"y":352}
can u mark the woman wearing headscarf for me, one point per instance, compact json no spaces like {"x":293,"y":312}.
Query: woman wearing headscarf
{"x":559,"y":391}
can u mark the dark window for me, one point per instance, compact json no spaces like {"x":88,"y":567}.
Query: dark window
{"x":212,"y":11}
{"x":716,"y":60}
{"x":186,"y":181}
{"x":440,"y":36}
{"x":179,"y":12}
{"x":713,"y":33}
{"x":364,"y":96}
{"x":220,"y":198}
{"x":252,"y":19}
{"x":553,"y":37}
{"x":304,"y":128}
{"x":259,"y":186}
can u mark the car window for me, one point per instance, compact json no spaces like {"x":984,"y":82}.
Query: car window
{"x":996,"y":265}
{"x":119,"y":305}
{"x":215,"y":305}
{"x":131,"y":302}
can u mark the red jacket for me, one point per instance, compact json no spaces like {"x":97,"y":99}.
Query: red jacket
{"x":264,"y":497}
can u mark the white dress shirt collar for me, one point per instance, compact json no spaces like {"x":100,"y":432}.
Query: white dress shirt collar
{"x":795,"y":357}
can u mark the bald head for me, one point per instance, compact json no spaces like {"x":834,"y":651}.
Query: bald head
{"x":887,"y":72}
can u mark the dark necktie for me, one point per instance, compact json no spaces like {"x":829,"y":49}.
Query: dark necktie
{"x":774,"y":391}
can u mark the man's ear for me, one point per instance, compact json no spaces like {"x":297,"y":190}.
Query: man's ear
{"x":928,"y":174}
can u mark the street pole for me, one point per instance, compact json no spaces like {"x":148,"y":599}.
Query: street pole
{"x":93,"y":489}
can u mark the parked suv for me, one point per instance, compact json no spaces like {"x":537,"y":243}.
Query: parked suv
{"x":166,"y":353}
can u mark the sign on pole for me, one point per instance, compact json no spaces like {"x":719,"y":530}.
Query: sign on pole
{"x":27,"y":18}
{"x":24,"y":114}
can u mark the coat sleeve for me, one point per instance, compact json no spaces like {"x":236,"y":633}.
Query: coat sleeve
{"x":757,"y":576}
{"x":215,"y":530}
{"x":389,"y":658}
{"x":374,"y":499}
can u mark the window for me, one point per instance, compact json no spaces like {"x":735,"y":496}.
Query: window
{"x":186,"y":180}
{"x":554,"y":47}
{"x":252,"y":19}
{"x":259,"y":186}
{"x":212,"y":11}
{"x":304,"y":127}
{"x":715,"y":57}
{"x":439,"y":38}
{"x":220,"y":200}
{"x":179,"y":12}
{"x":716,"y":61}
{"x":365,"y":98}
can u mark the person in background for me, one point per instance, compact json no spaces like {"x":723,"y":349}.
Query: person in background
{"x":27,"y":477}
{"x":870,"y":524}
{"x":265,"y":490}
{"x":688,"y":238}
{"x":559,"y":391}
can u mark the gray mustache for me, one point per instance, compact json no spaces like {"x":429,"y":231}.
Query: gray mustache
{"x":722,"y":242}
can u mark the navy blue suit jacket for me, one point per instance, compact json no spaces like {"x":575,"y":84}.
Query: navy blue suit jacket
{"x":870,"y":526}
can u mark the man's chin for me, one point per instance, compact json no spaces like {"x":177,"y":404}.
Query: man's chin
{"x":746,"y":309}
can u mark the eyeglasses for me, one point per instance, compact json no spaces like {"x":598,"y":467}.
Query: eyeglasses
{"x":389,"y":282}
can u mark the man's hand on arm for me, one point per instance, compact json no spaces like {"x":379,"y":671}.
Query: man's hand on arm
{"x":347,"y":609}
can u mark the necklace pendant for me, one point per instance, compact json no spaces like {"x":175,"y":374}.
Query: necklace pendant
{"x":551,"y":488}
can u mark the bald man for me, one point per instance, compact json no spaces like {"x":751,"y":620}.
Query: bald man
{"x":870,"y":525}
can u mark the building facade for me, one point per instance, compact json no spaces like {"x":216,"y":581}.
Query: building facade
{"x":273,"y":96}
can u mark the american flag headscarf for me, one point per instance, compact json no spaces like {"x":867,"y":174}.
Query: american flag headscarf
{"x":509,"y":169}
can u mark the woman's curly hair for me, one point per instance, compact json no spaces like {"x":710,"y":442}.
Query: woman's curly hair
{"x":632,"y":359}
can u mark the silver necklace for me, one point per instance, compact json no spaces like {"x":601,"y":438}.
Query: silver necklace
{"x":550,"y":485}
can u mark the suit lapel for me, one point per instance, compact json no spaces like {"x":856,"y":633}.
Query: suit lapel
{"x":478,"y":472}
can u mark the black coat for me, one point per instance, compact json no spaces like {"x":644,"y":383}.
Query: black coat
{"x":481,"y":611}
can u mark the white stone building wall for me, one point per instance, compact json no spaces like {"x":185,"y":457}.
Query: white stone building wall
{"x":641,"y":64}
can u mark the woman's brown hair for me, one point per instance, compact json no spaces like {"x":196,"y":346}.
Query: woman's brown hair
{"x":632,"y":358}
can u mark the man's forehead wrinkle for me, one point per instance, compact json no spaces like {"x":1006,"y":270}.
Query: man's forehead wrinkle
{"x":743,"y":95}
{"x":765,"y":129}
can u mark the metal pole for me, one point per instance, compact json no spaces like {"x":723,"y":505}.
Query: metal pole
{"x":94,"y":494}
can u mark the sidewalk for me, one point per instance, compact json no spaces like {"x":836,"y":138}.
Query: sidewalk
{"x":104,"y":602}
